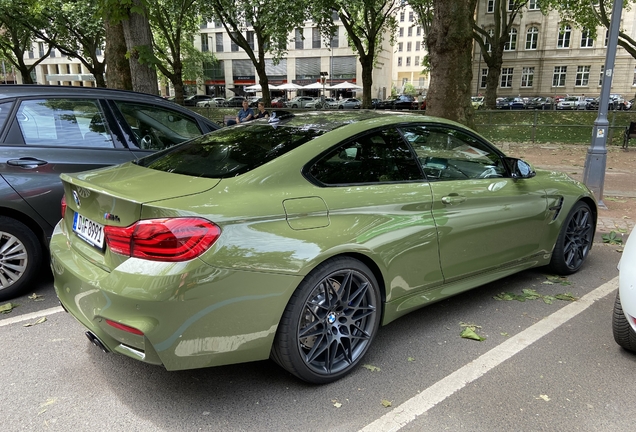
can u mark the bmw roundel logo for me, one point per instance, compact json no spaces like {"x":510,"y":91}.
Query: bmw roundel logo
{"x":331,"y":318}
{"x":76,"y":198}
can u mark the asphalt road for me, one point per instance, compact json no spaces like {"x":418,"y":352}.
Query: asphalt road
{"x":542,"y":367}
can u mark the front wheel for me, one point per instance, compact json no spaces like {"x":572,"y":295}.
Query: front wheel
{"x":330,"y":322}
{"x":20,"y":257}
{"x":574,"y":241}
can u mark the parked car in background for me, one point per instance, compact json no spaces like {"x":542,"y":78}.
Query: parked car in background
{"x":572,"y":103}
{"x":477,"y":102}
{"x":619,"y":102}
{"x":214,"y":102}
{"x":299,"y":102}
{"x":296,"y":240}
{"x":317,"y":103}
{"x":278,"y":102}
{"x":629,"y":104}
{"x":511,"y":103}
{"x":236,"y":102}
{"x":375,"y":102}
{"x":349,"y":103}
{"x":48,"y":130}
{"x":254,"y":101}
{"x":540,"y":103}
{"x":624,"y":316}
{"x":192,"y":100}
{"x":594,"y":103}
{"x":405,"y":102}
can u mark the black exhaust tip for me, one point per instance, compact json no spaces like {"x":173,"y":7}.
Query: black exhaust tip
{"x":95,"y":341}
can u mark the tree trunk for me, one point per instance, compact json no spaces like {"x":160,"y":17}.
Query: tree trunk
{"x":366,"y":62}
{"x":139,"y":44}
{"x":450,"y":49}
{"x":118,"y":71}
{"x":492,"y":82}
{"x":26,"y":76}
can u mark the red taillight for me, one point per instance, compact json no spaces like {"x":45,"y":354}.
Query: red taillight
{"x":124,"y":327}
{"x":176,"y":239}
{"x":63,"y":203}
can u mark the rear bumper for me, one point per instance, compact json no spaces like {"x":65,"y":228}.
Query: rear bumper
{"x":192,"y":315}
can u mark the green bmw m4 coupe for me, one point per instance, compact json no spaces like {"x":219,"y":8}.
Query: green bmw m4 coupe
{"x":295,"y":238}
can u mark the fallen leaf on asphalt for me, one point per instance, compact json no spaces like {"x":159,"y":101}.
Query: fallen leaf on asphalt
{"x":36,"y":297}
{"x":7,"y":307}
{"x":411,"y":359}
{"x":336,"y":403}
{"x":40,"y":321}
{"x":469,"y":333}
{"x":49,"y":401}
{"x":386,"y":403}
{"x":371,"y":367}
{"x":544,"y":397}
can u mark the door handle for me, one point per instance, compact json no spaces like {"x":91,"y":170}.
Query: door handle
{"x":26,"y":162}
{"x":453,"y":199}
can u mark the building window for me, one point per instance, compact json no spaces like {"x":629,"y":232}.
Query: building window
{"x":401,"y":32}
{"x":298,"y":39}
{"x":335,"y":41}
{"x":408,"y":46}
{"x":421,"y":82}
{"x":410,"y":31}
{"x":418,"y":31}
{"x":219,"y":42}
{"x":527,"y":76}
{"x":532,"y":38}
{"x":315,"y":37}
{"x":483,"y":82}
{"x":402,"y":16}
{"x":487,"y":45}
{"x":633,"y":81}
{"x":233,"y":46}
{"x":400,"y":46}
{"x":41,"y":49}
{"x":533,"y":5}
{"x":582,"y":76}
{"x":511,"y":5}
{"x":250,"y":39}
{"x":204,"y":24}
{"x":411,"y":16}
{"x":404,"y":81}
{"x":586,"y":40}
{"x":564,"y":37}
{"x":491,"y":6}
{"x":218,"y":24}
{"x":205,"y":46}
{"x":399,"y":61}
{"x":600,"y":76}
{"x":417,"y":45}
{"x":558,"y":79}
{"x":606,"y":38}
{"x":511,"y":44}
{"x":506,"y":77}
{"x":408,"y":61}
{"x":417,"y":61}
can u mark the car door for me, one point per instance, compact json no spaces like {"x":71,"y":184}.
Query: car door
{"x":48,"y":136}
{"x":485,"y":219}
{"x":375,"y":191}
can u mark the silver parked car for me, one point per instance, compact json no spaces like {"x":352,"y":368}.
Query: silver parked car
{"x":349,"y":103}
{"x":299,"y":102}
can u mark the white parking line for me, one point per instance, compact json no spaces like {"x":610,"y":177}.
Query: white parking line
{"x":427,"y":399}
{"x":30,"y":316}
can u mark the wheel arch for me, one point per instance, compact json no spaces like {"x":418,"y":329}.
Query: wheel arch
{"x":30,"y":222}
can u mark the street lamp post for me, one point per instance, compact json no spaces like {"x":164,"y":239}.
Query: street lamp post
{"x":594,"y":172}
{"x":323,"y":81}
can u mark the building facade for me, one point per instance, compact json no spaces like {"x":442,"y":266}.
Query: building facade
{"x":546,"y":56}
{"x":409,"y":53}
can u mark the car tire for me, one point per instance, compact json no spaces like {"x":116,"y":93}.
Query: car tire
{"x":294,"y":106}
{"x":574,"y":241}
{"x":20,"y":257}
{"x":624,"y":334}
{"x":329,"y":322}
{"x":341,"y":107}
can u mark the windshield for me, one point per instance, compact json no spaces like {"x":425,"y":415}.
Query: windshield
{"x":230,"y":151}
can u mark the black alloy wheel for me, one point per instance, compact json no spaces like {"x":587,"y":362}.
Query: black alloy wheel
{"x":330,"y":322}
{"x":575,"y":240}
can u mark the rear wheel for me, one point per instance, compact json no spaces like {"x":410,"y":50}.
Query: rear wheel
{"x":624,"y":334}
{"x":20,"y":257}
{"x":574,"y":241}
{"x":330,"y":322}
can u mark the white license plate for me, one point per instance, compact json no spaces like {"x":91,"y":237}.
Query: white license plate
{"x":89,"y":231}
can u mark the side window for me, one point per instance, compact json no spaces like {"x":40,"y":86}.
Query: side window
{"x":448,"y":154}
{"x":5,"y":108}
{"x":63,"y":123}
{"x":379,"y":157}
{"x":157,"y":128}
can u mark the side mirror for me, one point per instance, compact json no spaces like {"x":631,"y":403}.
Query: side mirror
{"x":520,"y":169}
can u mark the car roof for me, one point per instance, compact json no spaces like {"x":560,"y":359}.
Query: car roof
{"x":22,"y":90}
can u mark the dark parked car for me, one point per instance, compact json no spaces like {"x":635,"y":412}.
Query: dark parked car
{"x":511,"y":103}
{"x":593,"y":104}
{"x":399,"y":103}
{"x":236,"y":102}
{"x":47,"y":131}
{"x":540,"y":103}
{"x":192,"y":100}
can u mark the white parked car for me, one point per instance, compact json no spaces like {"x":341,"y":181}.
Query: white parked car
{"x":317,"y":103}
{"x":623,"y":322}
{"x":214,"y":102}
{"x":572,"y":103}
{"x":299,"y":102}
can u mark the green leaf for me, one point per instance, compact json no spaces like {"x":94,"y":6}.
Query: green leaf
{"x":548,"y":299}
{"x":39,"y":321}
{"x":411,"y":359}
{"x":7,"y":307}
{"x":612,"y":238}
{"x":530,"y":294}
{"x":469,"y":333}
{"x":386,"y":403}
{"x":371,"y":367}
{"x":565,"y":297}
